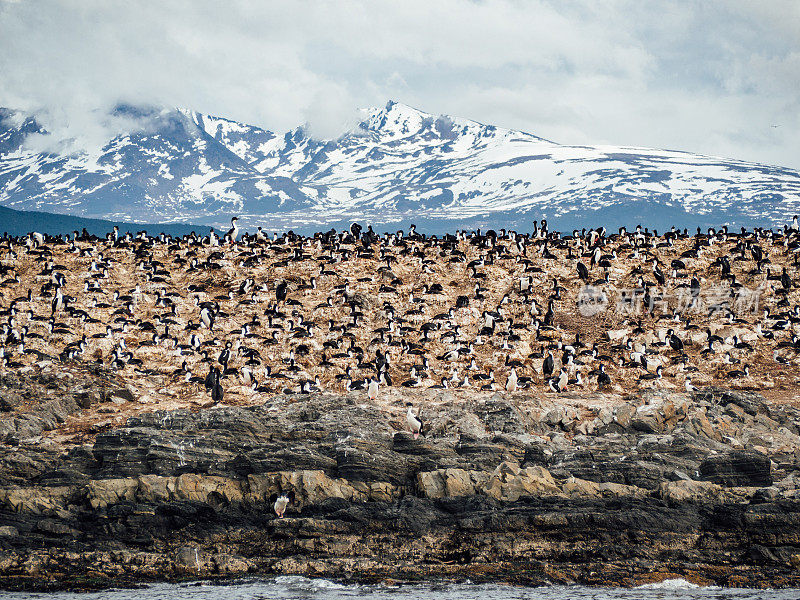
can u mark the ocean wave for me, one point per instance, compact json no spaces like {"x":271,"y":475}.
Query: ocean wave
{"x":298,"y":581}
{"x":669,"y":584}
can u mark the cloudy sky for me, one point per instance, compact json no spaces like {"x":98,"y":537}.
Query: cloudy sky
{"x":715,"y":77}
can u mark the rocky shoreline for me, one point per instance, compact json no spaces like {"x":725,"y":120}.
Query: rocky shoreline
{"x":522,"y":488}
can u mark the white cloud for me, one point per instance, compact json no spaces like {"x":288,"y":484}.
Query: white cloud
{"x":710,"y":77}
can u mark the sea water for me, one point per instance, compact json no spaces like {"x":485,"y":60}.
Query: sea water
{"x":301,"y":588}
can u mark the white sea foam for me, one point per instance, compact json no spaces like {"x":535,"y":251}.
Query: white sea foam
{"x":669,"y":584}
{"x":292,"y":587}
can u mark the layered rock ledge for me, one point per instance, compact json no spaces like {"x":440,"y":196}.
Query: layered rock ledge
{"x":527,"y":489}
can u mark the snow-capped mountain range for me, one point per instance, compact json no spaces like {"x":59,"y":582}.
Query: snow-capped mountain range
{"x":398,"y":166}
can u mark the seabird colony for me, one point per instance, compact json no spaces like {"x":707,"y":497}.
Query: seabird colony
{"x":244,"y":315}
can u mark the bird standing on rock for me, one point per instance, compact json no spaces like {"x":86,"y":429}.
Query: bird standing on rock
{"x":280,"y":292}
{"x":511,"y":382}
{"x":233,"y":232}
{"x":207,"y":318}
{"x":563,"y":380}
{"x":414,"y":423}
{"x":583,"y":272}
{"x":548,"y":365}
{"x":372,"y":389}
{"x":216,"y":389}
{"x":603,"y":378}
{"x":210,"y":378}
{"x":282,"y":502}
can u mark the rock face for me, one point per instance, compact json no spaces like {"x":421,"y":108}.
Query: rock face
{"x":738,"y":468}
{"x":36,"y":400}
{"x":502,"y":486}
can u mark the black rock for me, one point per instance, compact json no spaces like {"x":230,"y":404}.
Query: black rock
{"x":737,"y":468}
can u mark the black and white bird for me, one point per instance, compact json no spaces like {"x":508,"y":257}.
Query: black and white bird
{"x":563,"y":380}
{"x":583,"y":272}
{"x":745,"y":372}
{"x":603,"y":378}
{"x":216,"y":389}
{"x":280,"y":292}
{"x":233,"y":232}
{"x":675,"y":342}
{"x":207,"y":318}
{"x":414,"y":422}
{"x":548,"y":365}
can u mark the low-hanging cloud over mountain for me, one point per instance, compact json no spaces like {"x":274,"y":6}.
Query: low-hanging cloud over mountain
{"x":720,"y":78}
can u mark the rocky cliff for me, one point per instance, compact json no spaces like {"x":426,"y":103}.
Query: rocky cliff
{"x":517,"y":487}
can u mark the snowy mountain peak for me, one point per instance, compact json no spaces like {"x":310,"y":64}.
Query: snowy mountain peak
{"x":400,"y":165}
{"x":396,"y":120}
